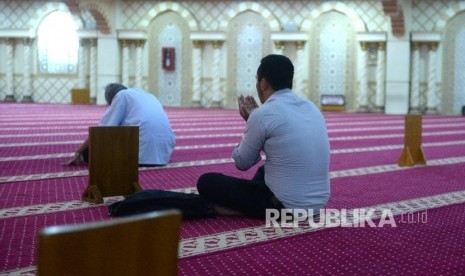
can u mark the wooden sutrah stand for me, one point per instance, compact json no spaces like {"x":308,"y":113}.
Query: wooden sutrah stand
{"x":113,"y":162}
{"x":413,"y":153}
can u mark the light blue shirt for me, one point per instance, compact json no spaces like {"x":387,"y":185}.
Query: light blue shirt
{"x":292,"y":133}
{"x":135,"y":107}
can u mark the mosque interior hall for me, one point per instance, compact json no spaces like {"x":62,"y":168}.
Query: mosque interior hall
{"x":388,"y":77}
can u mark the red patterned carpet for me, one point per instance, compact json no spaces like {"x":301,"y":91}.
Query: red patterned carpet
{"x":36,"y":191}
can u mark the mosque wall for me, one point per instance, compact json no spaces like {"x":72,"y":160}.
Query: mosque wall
{"x":344,"y":48}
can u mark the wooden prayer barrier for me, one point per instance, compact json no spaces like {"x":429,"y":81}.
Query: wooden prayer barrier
{"x":80,"y":96}
{"x":332,"y":108}
{"x":113,"y":162}
{"x":332,"y":102}
{"x":413,"y":152}
{"x":138,"y":245}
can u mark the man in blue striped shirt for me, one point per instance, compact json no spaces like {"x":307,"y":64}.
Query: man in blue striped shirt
{"x":292,"y":133}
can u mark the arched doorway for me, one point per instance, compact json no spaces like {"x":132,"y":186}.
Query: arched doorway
{"x":453,"y":84}
{"x":332,"y":55}
{"x":173,"y":88}
{"x":249,"y":40}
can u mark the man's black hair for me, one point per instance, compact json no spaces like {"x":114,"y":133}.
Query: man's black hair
{"x":277,"y":70}
{"x":111,"y":90}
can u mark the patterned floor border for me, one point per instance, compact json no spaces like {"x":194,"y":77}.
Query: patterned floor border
{"x":424,"y":126}
{"x":63,"y":206}
{"x":176,"y":116}
{"x":8,"y":179}
{"x":77,"y":142}
{"x":342,"y":138}
{"x":389,"y":122}
{"x":231,"y":145}
{"x":240,"y":127}
{"x":61,"y":155}
{"x":75,"y":204}
{"x":247,"y":236}
{"x":43,"y":122}
{"x":174,"y":125}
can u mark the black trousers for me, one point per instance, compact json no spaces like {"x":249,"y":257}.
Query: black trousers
{"x":250,"y":197}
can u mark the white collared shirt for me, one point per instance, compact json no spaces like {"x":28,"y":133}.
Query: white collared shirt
{"x":135,"y":107}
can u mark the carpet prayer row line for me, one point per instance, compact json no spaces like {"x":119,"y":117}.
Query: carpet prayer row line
{"x":373,"y":173}
{"x":230,"y":146}
{"x":18,"y":169}
{"x":9,"y":140}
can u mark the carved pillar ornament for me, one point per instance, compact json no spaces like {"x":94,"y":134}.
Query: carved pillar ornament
{"x":299,"y":72}
{"x":380,"y":77}
{"x":216,"y":85}
{"x":196,"y":73}
{"x":27,"y":80}
{"x":81,"y":83}
{"x":9,"y":91}
{"x":125,"y":62}
{"x":363,"y":91}
{"x":93,"y":70}
{"x":415,"y":87}
{"x":432,"y":100}
{"x":139,"y":61}
{"x":278,"y":47}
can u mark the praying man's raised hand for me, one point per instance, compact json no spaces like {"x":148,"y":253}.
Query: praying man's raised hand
{"x":247,"y":105}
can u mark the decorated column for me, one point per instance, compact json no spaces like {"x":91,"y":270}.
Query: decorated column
{"x":216,"y":85}
{"x":299,"y":72}
{"x":278,"y":47}
{"x":363,"y":81}
{"x":125,"y":63}
{"x":380,"y":77}
{"x":9,"y":90}
{"x":432,"y":101}
{"x":82,"y":65}
{"x":27,"y":83}
{"x":139,"y":61}
{"x":93,"y":70}
{"x":196,"y":73}
{"x":415,"y":87}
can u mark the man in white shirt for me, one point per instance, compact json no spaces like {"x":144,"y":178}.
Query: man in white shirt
{"x":292,"y":133}
{"x":135,"y":107}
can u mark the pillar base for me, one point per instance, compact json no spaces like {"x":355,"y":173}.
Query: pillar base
{"x":93,"y":100}
{"x":196,"y":104}
{"x":9,"y":98}
{"x":27,"y":99}
{"x":379,"y":109}
{"x":216,"y":104}
{"x":431,"y":110}
{"x":363,"y":108}
{"x":414,"y":111}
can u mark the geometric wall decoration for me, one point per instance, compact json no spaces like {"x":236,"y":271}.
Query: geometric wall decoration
{"x":174,"y":88}
{"x":332,"y":55}
{"x":249,"y":45}
{"x":252,"y":41}
{"x":169,"y":82}
{"x":332,"y":58}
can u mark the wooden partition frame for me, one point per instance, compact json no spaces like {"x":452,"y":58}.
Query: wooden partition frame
{"x":144,"y":244}
{"x":412,"y":153}
{"x":113,"y":162}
